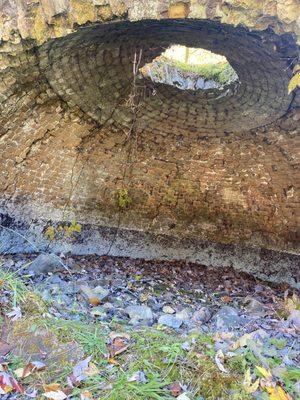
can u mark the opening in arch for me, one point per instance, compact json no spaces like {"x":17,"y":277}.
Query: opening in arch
{"x":190,"y":68}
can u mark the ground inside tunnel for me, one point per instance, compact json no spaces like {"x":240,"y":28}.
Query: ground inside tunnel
{"x":122,"y":329}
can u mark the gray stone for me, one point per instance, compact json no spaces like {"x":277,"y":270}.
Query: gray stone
{"x":101,"y":292}
{"x":168,"y":310}
{"x":94,"y":296}
{"x":170,"y":320}
{"x":254,"y":307}
{"x":45,"y":263}
{"x":140,"y":313}
{"x":184,"y":315}
{"x":55,"y":279}
{"x":228,"y":318}
{"x":202,"y":315}
{"x":294,"y":319}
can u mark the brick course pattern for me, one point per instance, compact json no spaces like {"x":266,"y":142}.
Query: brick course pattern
{"x":219,"y":166}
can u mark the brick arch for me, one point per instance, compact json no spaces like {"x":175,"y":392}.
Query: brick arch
{"x":92,"y":69}
{"x":215,"y":173}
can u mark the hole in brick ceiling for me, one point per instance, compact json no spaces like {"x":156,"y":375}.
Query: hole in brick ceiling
{"x":93,"y":70}
{"x":190,"y":68}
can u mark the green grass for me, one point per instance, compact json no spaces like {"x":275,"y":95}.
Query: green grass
{"x":159,"y":354}
{"x":155,"y":351}
{"x":12,"y":283}
{"x":278,"y":343}
{"x":92,"y":337}
{"x":222,"y":72}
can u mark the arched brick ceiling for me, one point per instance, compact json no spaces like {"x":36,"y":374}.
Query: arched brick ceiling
{"x":92,"y":69}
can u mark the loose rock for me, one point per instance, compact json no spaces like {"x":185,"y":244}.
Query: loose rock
{"x":294,"y":319}
{"x":168,"y":310}
{"x":202,"y":315}
{"x":227,"y":318}
{"x":170,"y":320}
{"x":94,"y":296}
{"x":45,"y":263}
{"x":140,"y":313}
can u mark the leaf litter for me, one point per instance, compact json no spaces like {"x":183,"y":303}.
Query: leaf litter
{"x":260,"y":357}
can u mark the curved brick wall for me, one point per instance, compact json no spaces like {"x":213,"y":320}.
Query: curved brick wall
{"x":93,"y":70}
{"x":206,"y":168}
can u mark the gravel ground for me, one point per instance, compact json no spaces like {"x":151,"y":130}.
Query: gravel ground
{"x":183,"y":297}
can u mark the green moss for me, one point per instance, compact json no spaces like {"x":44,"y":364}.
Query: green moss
{"x":170,"y":198}
{"x":237,"y":364}
{"x":278,"y":343}
{"x":123,"y":198}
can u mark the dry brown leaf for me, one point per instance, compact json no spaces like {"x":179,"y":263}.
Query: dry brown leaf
{"x":119,"y":342}
{"x":86,"y":395}
{"x":175,"y":389}
{"x":29,"y":369}
{"x":8,"y":383}
{"x":112,"y":361}
{"x":226,"y":299}
{"x":52,"y":387}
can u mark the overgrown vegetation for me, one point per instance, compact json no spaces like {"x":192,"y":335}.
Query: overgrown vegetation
{"x":221,"y":73}
{"x":62,"y":231}
{"x":123,"y":198}
{"x":153,"y":362}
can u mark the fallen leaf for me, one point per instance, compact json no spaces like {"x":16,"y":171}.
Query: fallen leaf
{"x":277,"y":393}
{"x":91,"y":370}
{"x":247,"y":338}
{"x":113,"y":335}
{"x":264,"y":372}
{"x":15,"y":314}
{"x":31,"y":367}
{"x":219,"y":359}
{"x":226,"y":299}
{"x":58,"y":395}
{"x":119,"y":342}
{"x":176,"y":389}
{"x":248,"y":385}
{"x":79,"y":373}
{"x":144,"y":297}
{"x":86,"y":395}
{"x":112,"y":361}
{"x":223,"y":336}
{"x":8,"y":383}
{"x":241,"y":342}
{"x":294,"y":82}
{"x":52,"y":387}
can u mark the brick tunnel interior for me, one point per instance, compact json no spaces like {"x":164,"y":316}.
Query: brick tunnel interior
{"x":212,"y":168}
